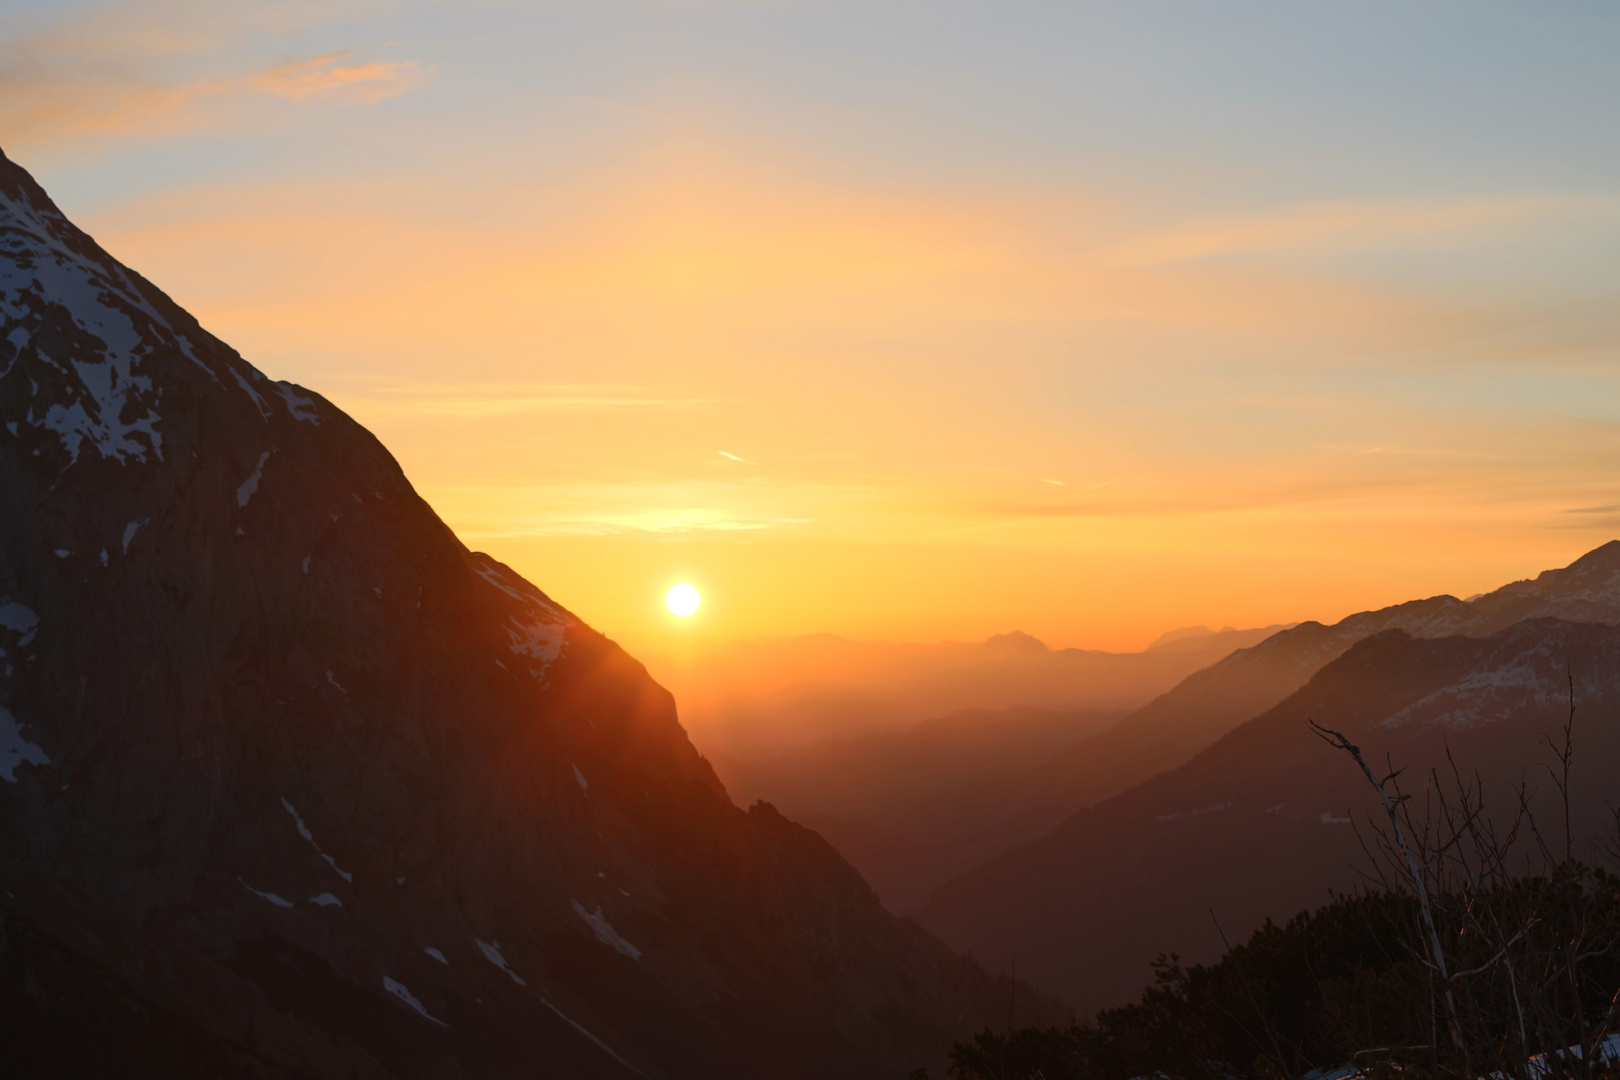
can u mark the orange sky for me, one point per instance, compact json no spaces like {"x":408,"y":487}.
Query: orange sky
{"x":849,"y":392}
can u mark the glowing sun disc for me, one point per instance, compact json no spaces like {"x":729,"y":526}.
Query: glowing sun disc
{"x":682,"y":600}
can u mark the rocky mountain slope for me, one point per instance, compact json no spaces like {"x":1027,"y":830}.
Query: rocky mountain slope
{"x":292,"y":784}
{"x":1258,"y":824}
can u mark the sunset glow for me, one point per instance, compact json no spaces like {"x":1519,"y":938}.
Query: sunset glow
{"x":1099,"y":390}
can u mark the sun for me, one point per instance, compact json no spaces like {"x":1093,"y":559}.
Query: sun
{"x":682,"y":600}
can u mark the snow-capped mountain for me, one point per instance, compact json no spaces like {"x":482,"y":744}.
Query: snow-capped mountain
{"x":293,"y":784}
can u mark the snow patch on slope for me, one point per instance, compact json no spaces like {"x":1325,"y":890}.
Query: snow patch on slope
{"x":39,"y":273}
{"x":251,"y":484}
{"x":604,"y":932}
{"x":492,"y":953}
{"x":19,"y":618}
{"x":397,"y":988}
{"x":301,"y":408}
{"x":540,"y":631}
{"x":540,"y":641}
{"x":303,"y":830}
{"x":14,"y":749}
{"x":270,"y":896}
{"x":1476,"y":697}
{"x":258,"y":399}
{"x":577,"y":1026}
{"x":494,"y":577}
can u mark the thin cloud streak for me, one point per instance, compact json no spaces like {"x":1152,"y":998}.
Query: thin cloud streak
{"x":1341,"y":226}
{"x":649,"y":507}
{"x":111,"y":73}
{"x":324,"y":75}
{"x":508,"y":401}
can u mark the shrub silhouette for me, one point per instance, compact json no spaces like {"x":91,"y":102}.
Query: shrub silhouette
{"x":1446,"y":964}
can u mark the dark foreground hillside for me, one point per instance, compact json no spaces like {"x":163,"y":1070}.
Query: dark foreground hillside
{"x":1350,"y":990}
{"x":294,"y":785}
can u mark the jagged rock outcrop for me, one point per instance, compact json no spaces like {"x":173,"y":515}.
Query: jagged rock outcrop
{"x":293,"y":784}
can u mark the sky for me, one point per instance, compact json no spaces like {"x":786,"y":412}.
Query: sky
{"x":898,"y":320}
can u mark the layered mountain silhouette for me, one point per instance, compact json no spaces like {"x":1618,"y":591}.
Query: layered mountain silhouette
{"x":292,"y":784}
{"x":759,"y":700}
{"x":1257,"y":823}
{"x":910,"y":825}
{"x":838,"y":734}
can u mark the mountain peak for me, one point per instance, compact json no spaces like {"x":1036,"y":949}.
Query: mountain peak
{"x":1016,"y":642}
{"x":1185,"y":632}
{"x":110,"y":361}
{"x":1587,"y":590}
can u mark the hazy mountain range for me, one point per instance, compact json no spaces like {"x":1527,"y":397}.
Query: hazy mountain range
{"x":913,"y":802}
{"x":1255,"y":824}
{"x":760,"y":698}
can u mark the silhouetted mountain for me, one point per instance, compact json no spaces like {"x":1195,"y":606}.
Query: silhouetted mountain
{"x":292,"y":784}
{"x":1258,"y":823}
{"x":912,"y":808}
{"x":1209,"y":703}
{"x":1203,"y":639}
{"x":765,"y":698}
{"x":911,"y":845}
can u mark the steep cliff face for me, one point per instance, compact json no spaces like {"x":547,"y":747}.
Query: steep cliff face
{"x":291,"y":779}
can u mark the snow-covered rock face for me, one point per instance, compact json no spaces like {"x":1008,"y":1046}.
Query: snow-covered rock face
{"x":16,"y":750}
{"x":80,"y":332}
{"x":93,"y":355}
{"x":538,"y":633}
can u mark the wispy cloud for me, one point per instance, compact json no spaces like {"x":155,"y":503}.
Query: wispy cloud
{"x":328,"y":75}
{"x":159,"y":67}
{"x":1368,"y":223}
{"x":486,"y":400}
{"x":649,"y":508}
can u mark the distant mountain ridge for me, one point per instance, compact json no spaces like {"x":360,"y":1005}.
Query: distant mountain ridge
{"x":759,"y":699}
{"x":1211,"y":702}
{"x":909,"y":849}
{"x":1203,"y":639}
{"x":1252,"y":823}
{"x":292,"y":784}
